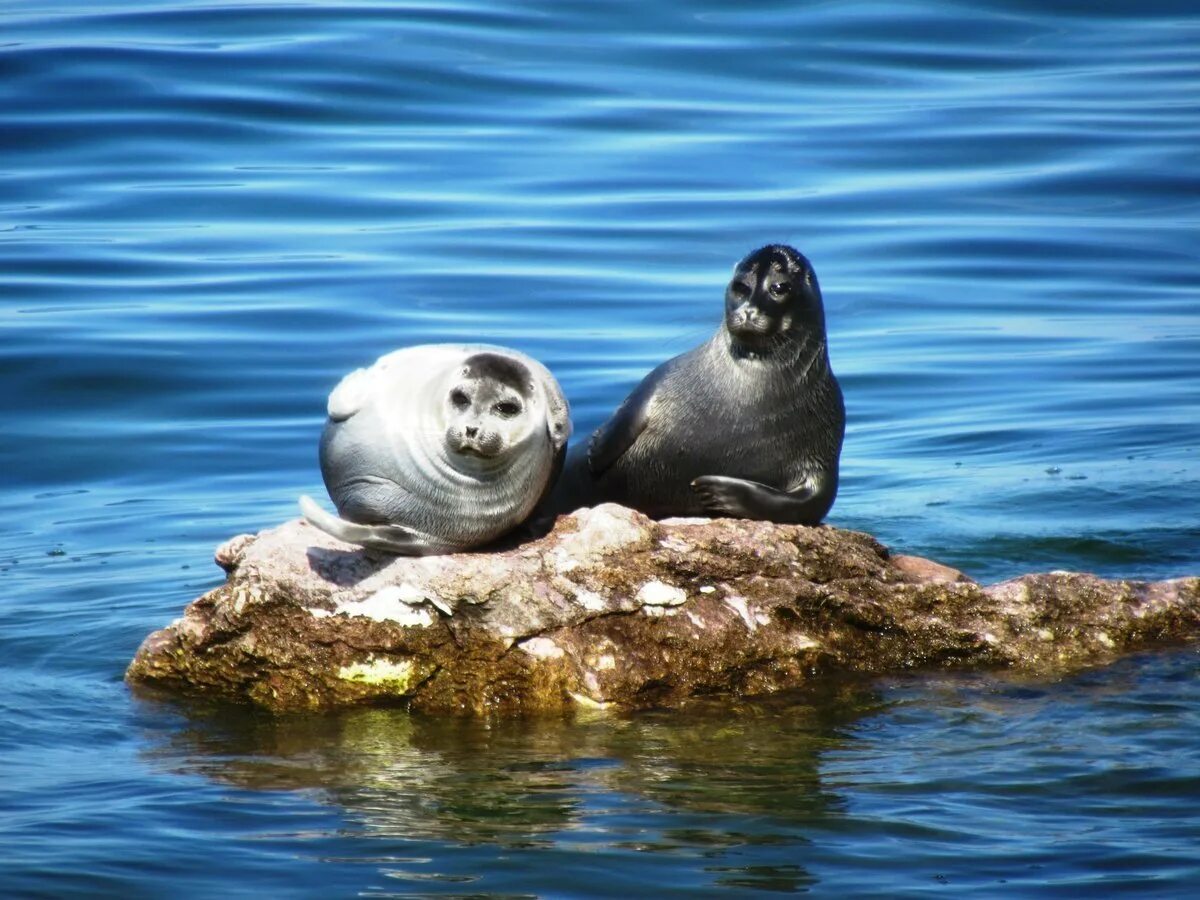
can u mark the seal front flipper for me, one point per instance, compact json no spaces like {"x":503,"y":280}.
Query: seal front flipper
{"x":394,"y":539}
{"x":614,"y":437}
{"x":741,"y":499}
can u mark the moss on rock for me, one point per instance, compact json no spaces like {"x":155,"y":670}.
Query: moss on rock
{"x":613,"y":609}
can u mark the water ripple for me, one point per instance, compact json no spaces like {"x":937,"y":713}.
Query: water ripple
{"x":209,"y":211}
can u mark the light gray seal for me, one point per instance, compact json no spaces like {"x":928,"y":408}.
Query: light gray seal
{"x":439,"y":448}
{"x":748,"y":425}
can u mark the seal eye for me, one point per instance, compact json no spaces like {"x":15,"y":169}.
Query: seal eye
{"x":779,"y":289}
{"x":506,"y":409}
{"x":459,"y":399}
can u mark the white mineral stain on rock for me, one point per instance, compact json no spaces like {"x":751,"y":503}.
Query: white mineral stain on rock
{"x":396,"y":676}
{"x":654,"y":612}
{"x":589,"y":600}
{"x":240,"y":598}
{"x":696,"y":620}
{"x":659,"y":593}
{"x":606,"y":528}
{"x":675,"y":543}
{"x":411,"y":617}
{"x":739,"y":606}
{"x":708,"y":589}
{"x":1045,"y":634}
{"x":541,"y":648}
{"x":1105,"y":640}
{"x":606,"y":661}
{"x":394,"y":603}
{"x":563,"y":561}
{"x":437,"y":601}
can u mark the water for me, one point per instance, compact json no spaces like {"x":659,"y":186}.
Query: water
{"x":209,"y":211}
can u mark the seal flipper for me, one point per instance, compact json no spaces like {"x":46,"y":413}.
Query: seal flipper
{"x":610,"y":441}
{"x":394,"y":539}
{"x":742,"y":499}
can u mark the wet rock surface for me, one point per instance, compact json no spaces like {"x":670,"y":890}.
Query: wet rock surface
{"x":612,"y":609}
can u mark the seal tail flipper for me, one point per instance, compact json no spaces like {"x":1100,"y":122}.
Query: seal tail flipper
{"x":394,"y":539}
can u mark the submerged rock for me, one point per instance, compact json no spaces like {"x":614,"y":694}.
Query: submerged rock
{"x":612,"y":608}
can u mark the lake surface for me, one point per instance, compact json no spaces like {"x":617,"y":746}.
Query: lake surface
{"x":210,"y":211}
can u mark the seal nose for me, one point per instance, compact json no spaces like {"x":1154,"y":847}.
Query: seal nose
{"x":472,"y":431}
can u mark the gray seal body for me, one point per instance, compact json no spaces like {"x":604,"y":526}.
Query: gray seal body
{"x":749,"y":424}
{"x":439,"y":448}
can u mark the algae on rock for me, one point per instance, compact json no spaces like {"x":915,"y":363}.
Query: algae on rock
{"x":613,"y":609}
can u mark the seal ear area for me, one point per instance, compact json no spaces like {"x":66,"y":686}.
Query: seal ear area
{"x":350,"y":395}
{"x":558,"y":412}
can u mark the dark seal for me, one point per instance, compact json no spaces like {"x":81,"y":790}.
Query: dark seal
{"x":748,"y":425}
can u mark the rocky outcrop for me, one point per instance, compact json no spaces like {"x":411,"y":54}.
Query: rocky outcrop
{"x":613,"y":609}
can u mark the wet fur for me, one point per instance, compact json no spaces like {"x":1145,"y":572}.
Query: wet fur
{"x":727,"y":428}
{"x":389,"y":467}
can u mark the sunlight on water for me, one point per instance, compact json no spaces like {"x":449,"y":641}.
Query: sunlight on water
{"x":209,"y":211}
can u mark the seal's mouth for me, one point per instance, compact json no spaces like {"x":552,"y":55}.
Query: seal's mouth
{"x":748,"y":323}
{"x":751,"y":332}
{"x":472,"y":449}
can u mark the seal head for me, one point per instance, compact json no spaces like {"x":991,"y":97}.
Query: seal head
{"x":488,"y":407}
{"x":773,"y":302}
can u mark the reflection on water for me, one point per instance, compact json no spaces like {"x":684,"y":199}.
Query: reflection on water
{"x":986,"y":781}
{"x":731,"y":794}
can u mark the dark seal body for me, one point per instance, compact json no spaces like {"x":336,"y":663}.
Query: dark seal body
{"x":749,"y":424}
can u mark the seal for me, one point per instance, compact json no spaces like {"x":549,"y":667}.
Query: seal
{"x":439,"y":448}
{"x":748,"y":425}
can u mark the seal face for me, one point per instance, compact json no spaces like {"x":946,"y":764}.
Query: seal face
{"x":439,"y":448}
{"x":749,"y":424}
{"x":488,"y":411}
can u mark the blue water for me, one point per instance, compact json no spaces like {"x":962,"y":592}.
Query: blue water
{"x":210,"y":211}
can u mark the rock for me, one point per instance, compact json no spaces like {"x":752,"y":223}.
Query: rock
{"x":612,"y":609}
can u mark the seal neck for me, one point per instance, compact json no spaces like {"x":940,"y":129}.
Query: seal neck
{"x":804,"y":355}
